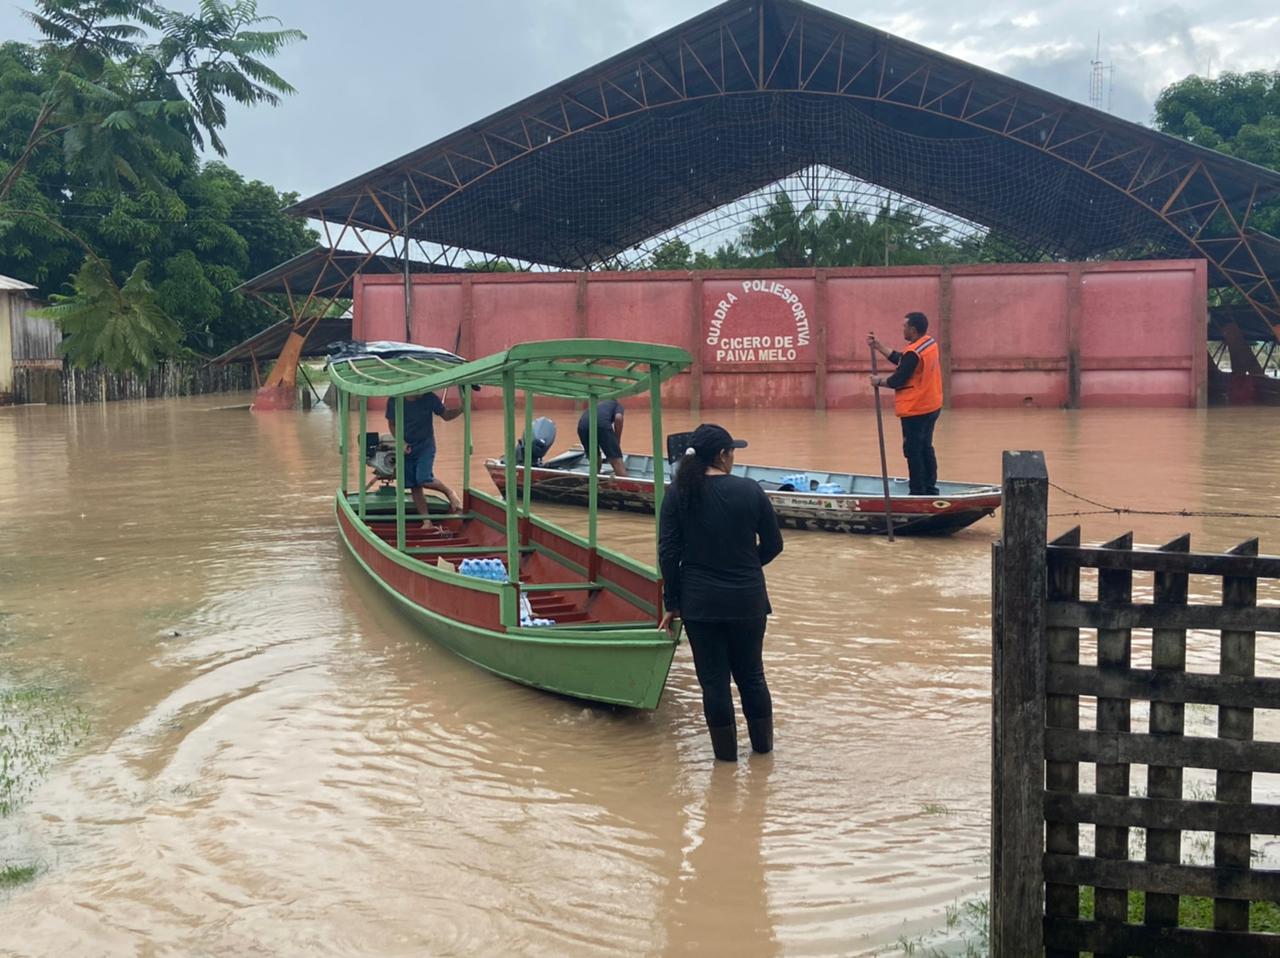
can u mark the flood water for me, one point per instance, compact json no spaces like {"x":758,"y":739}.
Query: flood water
{"x":280,"y":764}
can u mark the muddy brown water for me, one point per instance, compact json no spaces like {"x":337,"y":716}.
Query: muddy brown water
{"x":280,"y":764}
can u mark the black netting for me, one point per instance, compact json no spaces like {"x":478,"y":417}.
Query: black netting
{"x":587,"y":198}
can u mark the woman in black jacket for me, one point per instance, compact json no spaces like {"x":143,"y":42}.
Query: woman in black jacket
{"x":717,"y":533}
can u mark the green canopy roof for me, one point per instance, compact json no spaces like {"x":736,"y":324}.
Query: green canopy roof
{"x":564,"y":368}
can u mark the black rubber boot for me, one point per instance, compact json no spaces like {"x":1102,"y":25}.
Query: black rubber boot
{"x":724,"y":741}
{"x":761,"y":732}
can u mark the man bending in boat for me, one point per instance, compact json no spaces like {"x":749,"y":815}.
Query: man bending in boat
{"x":917,"y":398}
{"x":608,"y":433}
{"x":420,"y":449}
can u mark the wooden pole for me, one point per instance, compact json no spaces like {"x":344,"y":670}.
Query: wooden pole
{"x":884,"y":465}
{"x":1019,"y":652}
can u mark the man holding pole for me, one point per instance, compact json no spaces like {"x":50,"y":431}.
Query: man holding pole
{"x":917,"y":386}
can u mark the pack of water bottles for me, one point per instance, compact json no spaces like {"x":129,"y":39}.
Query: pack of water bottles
{"x":494,"y":570}
{"x":798,"y":481}
{"x":527,"y":618}
{"x":831,"y":489}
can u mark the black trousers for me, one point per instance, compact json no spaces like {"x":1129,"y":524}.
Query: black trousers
{"x":917,"y":446}
{"x":721,"y":649}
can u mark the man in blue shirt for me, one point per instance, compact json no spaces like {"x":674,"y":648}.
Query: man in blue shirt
{"x":609,"y":417}
{"x":420,"y":448}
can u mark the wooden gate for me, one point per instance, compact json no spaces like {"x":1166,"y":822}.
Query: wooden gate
{"x":1064,"y":684}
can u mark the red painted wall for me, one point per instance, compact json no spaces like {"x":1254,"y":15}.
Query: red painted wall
{"x":1043,"y":334}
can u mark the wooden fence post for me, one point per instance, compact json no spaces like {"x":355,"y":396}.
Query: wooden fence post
{"x":1018,"y":710}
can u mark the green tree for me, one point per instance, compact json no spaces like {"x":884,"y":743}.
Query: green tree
{"x":99,"y":130}
{"x":114,"y":94}
{"x":1234,"y":113}
{"x":118,"y":327}
{"x":673,"y":254}
{"x":490,"y":266}
{"x":784,"y":235}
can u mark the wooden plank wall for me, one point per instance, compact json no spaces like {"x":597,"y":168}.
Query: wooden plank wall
{"x":1139,"y":807}
{"x":42,"y":384}
{"x":34,"y":338}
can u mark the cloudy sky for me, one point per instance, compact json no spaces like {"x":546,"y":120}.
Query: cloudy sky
{"x":379,"y":78}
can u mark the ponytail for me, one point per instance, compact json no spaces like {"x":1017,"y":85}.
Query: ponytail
{"x":691,"y":476}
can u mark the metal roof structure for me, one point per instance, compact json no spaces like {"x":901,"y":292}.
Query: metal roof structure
{"x":268,"y":343}
{"x":327,"y":274}
{"x":754,"y":90}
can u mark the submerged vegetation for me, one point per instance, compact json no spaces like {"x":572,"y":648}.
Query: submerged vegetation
{"x":14,"y":875}
{"x":37,"y":724}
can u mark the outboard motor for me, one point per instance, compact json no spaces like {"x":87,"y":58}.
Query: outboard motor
{"x":544,"y":437}
{"x":380,"y":455}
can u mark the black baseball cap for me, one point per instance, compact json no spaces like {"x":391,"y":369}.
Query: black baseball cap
{"x":708,"y":439}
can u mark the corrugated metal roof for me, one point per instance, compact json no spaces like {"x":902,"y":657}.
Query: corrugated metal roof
{"x":331,"y":272}
{"x":267,"y":344}
{"x":9,"y":283}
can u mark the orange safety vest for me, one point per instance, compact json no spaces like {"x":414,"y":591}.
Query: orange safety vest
{"x":923,"y":392}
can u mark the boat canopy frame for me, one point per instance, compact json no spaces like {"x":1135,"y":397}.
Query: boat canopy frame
{"x":576,"y":369}
{"x":560,"y":368}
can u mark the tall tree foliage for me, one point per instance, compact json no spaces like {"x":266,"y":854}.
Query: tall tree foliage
{"x":1234,"y":113}
{"x":784,"y":235}
{"x":118,"y":327}
{"x":126,"y":72}
{"x":100,"y":128}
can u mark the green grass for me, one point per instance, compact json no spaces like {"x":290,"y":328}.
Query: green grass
{"x":967,"y":932}
{"x":37,"y":724}
{"x":12,"y":876}
{"x":1192,"y":912}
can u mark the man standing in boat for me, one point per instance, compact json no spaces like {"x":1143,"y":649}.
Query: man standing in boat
{"x":608,"y":433}
{"x":917,"y":399}
{"x":420,"y":448}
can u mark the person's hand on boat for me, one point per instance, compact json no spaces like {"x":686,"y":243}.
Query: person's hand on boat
{"x":667,"y":617}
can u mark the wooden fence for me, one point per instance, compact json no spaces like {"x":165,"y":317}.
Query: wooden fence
{"x":1060,"y":656}
{"x":65,"y":384}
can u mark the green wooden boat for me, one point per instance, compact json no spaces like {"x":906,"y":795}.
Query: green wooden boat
{"x":566,"y":614}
